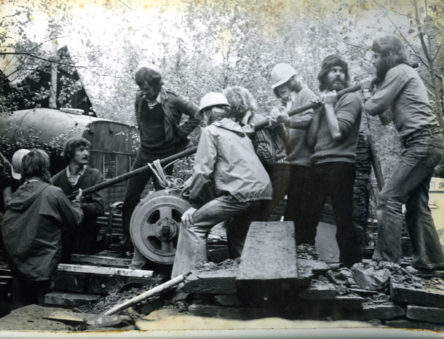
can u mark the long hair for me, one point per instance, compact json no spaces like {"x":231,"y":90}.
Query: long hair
{"x":241,"y":101}
{"x":392,"y":54}
{"x":36,"y":164}
{"x":71,"y":145}
{"x":329,"y":62}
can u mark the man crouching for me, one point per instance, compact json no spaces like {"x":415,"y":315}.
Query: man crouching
{"x":228,"y":179}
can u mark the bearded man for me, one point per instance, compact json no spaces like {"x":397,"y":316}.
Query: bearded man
{"x":400,"y":90}
{"x":334,"y":134}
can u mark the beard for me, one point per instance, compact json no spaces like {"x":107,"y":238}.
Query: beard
{"x":382,"y":67}
{"x":336,"y":85}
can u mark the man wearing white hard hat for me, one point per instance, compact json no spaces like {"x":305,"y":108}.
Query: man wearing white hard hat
{"x":228,"y":180}
{"x":292,"y":94}
{"x":158,"y":115}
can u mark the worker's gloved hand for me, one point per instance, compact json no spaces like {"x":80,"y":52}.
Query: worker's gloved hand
{"x":187,"y":217}
{"x":329,"y":98}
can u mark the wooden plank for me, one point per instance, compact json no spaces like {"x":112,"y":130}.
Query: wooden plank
{"x":268,"y":272}
{"x":114,"y":271}
{"x":100,"y":260}
{"x":69,"y":299}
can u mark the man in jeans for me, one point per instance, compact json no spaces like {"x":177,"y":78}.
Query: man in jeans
{"x":158,"y":115}
{"x":334,"y":134}
{"x":228,"y":181}
{"x":400,"y":89}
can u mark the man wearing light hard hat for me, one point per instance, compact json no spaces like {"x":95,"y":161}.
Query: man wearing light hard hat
{"x":228,"y":181}
{"x":292,"y":94}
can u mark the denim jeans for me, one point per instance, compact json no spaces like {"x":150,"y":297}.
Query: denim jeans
{"x":192,"y":243}
{"x":409,"y":185}
{"x":335,"y":180}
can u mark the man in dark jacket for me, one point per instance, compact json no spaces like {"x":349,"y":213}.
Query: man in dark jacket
{"x":35,"y":219}
{"x":78,"y":175}
{"x":158,"y":114}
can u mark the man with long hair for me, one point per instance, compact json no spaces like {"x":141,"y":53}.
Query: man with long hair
{"x":36,"y":217}
{"x":78,"y":175}
{"x":401,"y":90}
{"x":334,"y":134}
{"x":158,"y":115}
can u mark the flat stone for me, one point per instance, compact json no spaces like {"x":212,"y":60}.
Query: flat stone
{"x":69,"y":299}
{"x":319,"y":267}
{"x":383,"y":311}
{"x":319,"y":290}
{"x":95,"y":321}
{"x":428,"y":314}
{"x":268,"y":273}
{"x":418,"y":296}
{"x":349,"y":302}
{"x":214,"y":281}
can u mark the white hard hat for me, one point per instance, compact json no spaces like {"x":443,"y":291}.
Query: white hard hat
{"x":16,"y":163}
{"x":209,"y":100}
{"x":280,"y":74}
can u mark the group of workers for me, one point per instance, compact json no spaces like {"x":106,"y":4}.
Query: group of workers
{"x":243,"y":169}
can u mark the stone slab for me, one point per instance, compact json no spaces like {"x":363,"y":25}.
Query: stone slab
{"x":418,"y":296}
{"x":215,"y":281}
{"x":319,"y":290}
{"x":428,"y":314}
{"x":384,"y":311}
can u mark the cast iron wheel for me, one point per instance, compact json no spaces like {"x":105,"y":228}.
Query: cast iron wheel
{"x":155,"y":225}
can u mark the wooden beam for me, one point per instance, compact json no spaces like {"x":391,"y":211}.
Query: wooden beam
{"x":100,"y":260}
{"x":124,"y":272}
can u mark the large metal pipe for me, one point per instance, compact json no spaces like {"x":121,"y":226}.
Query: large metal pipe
{"x":131,"y":174}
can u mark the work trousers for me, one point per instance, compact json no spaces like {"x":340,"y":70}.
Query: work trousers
{"x":137,"y":184}
{"x":192,"y":243}
{"x":335,"y":180}
{"x":409,"y":185}
{"x":299,"y":201}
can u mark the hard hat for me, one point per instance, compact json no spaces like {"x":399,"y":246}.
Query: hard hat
{"x":209,"y":100}
{"x":280,"y":74}
{"x":16,"y":163}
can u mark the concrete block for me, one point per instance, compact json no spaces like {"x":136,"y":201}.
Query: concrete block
{"x":382,"y":311}
{"x":215,"y":281}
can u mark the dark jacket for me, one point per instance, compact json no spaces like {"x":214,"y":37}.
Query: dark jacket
{"x":33,"y":223}
{"x":93,"y":206}
{"x":173,"y":106}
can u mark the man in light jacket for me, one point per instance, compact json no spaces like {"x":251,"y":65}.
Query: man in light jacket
{"x":228,"y":180}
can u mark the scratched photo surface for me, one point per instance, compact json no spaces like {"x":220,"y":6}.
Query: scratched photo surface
{"x":67,"y":69}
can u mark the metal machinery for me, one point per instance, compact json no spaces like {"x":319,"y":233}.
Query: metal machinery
{"x":155,"y":222}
